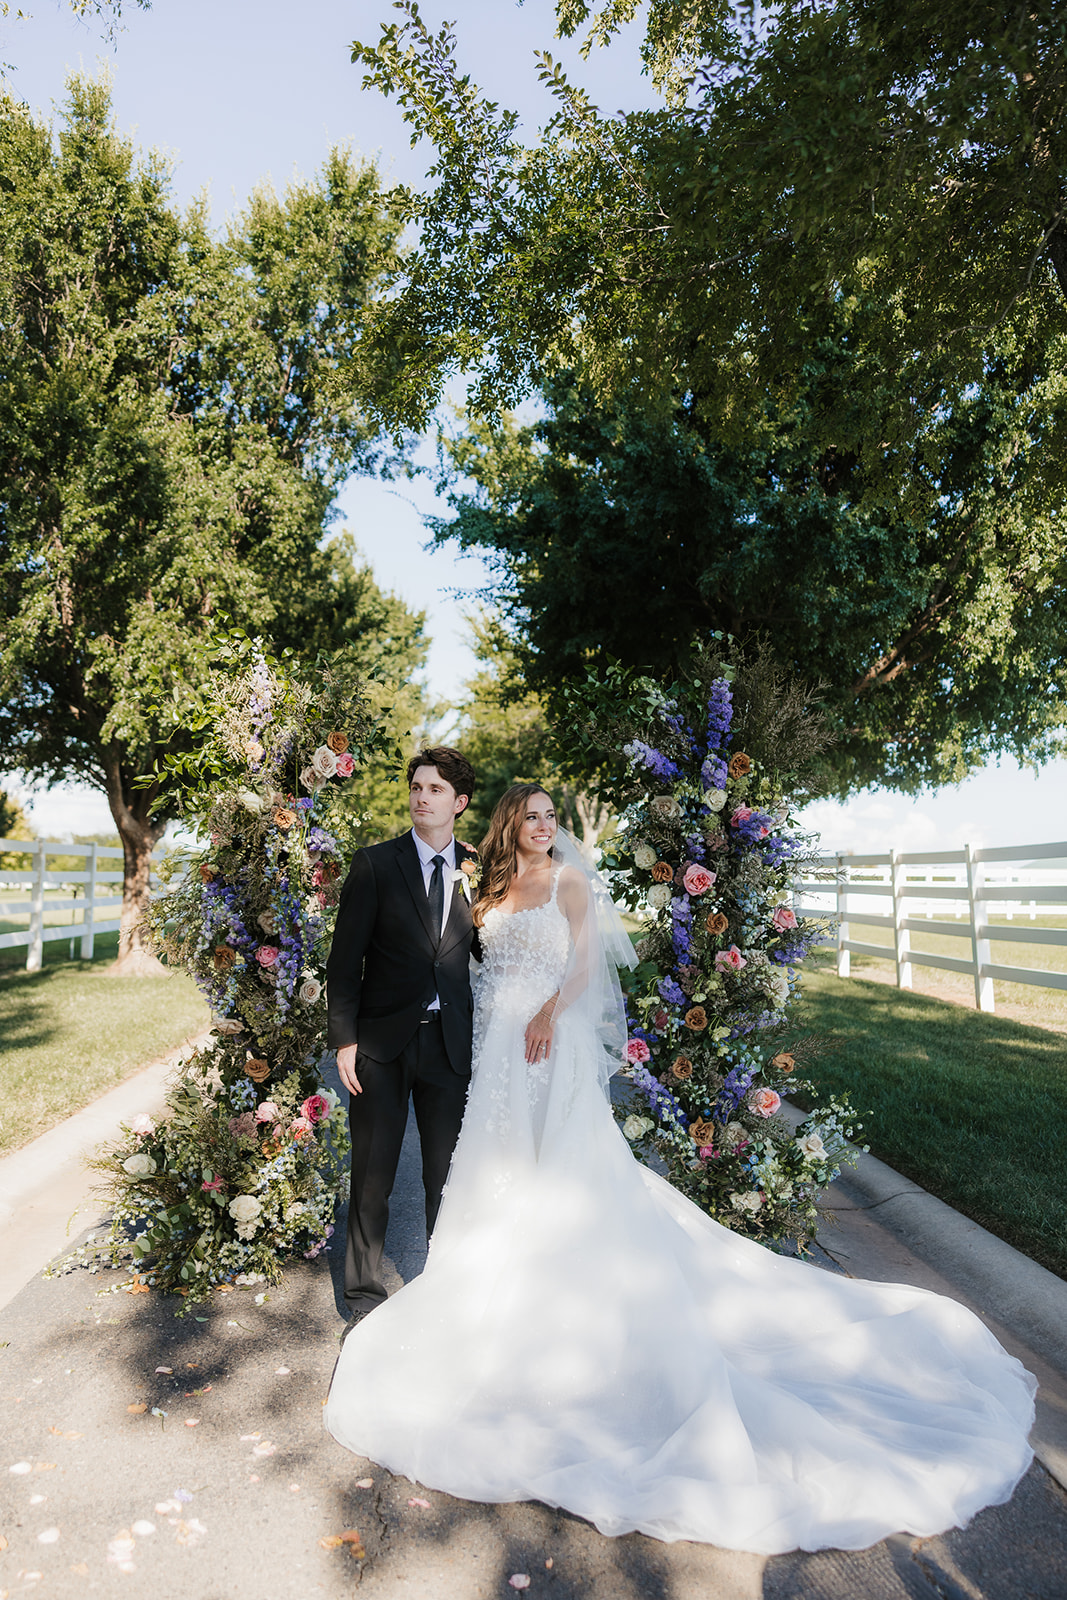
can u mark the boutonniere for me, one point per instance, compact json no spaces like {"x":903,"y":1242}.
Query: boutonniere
{"x":468,"y":874}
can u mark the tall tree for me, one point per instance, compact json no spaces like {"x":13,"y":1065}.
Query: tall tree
{"x":175,"y":419}
{"x":939,"y":642}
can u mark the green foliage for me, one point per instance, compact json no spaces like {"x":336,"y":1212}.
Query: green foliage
{"x":826,"y":276}
{"x":937,"y":640}
{"x":175,"y":420}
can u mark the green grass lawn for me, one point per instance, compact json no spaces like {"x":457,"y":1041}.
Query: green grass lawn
{"x":73,"y":1030}
{"x":971,"y":1106}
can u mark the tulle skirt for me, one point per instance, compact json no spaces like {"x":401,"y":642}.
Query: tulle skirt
{"x":584,"y":1336}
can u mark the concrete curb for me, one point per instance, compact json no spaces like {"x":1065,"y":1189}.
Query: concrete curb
{"x":45,"y":1183}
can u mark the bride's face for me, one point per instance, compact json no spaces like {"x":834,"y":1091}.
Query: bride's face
{"x":537,"y":834}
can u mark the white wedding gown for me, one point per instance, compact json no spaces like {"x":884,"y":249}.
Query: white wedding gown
{"x":584,"y":1336}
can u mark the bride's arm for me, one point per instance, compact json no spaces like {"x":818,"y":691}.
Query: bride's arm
{"x":576,"y":904}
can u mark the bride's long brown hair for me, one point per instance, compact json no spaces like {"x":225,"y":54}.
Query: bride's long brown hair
{"x":498,"y":851}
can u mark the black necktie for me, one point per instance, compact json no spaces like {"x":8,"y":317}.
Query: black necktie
{"x":437,"y":895}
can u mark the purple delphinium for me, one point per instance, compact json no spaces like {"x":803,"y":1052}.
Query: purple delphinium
{"x":654,"y":760}
{"x":733,"y":1091}
{"x":320,"y":843}
{"x":670,"y":992}
{"x":713,"y":773}
{"x":754,"y":828}
{"x":662,"y":1102}
{"x":720,"y":714}
{"x":694,"y":848}
{"x":681,"y":920}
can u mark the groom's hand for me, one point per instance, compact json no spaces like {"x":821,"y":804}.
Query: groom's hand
{"x":346,"y":1067}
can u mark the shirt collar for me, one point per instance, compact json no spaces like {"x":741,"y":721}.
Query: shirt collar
{"x":426,"y":854}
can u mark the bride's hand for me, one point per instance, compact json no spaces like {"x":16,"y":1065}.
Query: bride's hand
{"x":539,"y":1036}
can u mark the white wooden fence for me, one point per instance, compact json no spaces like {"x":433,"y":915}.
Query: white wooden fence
{"x":91,"y":893}
{"x":917,"y":890}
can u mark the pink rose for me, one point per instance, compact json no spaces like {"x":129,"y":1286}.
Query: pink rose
{"x":142,"y":1125}
{"x":698,"y":880}
{"x":707,"y":1153}
{"x":784,"y":919}
{"x":316,"y":1106}
{"x":216,"y":1183}
{"x":742,"y":814}
{"x":345,"y":766}
{"x":267,"y":1112}
{"x":765,"y":1102}
{"x":729,"y":960}
{"x":300,"y":1126}
{"x":637,"y":1050}
{"x":267,"y":955}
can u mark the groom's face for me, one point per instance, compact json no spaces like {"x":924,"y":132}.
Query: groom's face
{"x":433,"y":801}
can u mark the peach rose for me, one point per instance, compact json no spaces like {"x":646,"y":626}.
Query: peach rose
{"x":257,"y":1069}
{"x":740,"y":764}
{"x":717,"y":923}
{"x":764,"y":1102}
{"x":338,"y":743}
{"x":662,"y":872}
{"x":224,"y":957}
{"x":783,"y":1062}
{"x":702,"y":1132}
{"x":697,"y":879}
{"x":696,"y":1018}
{"x":284,"y":818}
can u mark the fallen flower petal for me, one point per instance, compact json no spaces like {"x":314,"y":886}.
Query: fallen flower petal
{"x":192,"y":1422}
{"x":136,"y":1409}
{"x":48,"y":1536}
{"x":20,"y":1467}
{"x":143,"y":1528}
{"x":332,"y":1541}
{"x":281,"y":1372}
{"x":364,"y":1483}
{"x":264,"y":1449}
{"x":519,"y":1580}
{"x":165,"y":1369}
{"x":246,"y":1438}
{"x":424,"y":1505}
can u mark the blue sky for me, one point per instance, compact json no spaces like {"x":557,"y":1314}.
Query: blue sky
{"x":237,"y":92}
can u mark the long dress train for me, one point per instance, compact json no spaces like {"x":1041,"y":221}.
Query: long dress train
{"x":584,"y":1336}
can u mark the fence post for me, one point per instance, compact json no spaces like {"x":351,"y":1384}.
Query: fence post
{"x":901,"y":935}
{"x":841,"y":909}
{"x":980,"y":954}
{"x":35,"y":944}
{"x":89,"y":914}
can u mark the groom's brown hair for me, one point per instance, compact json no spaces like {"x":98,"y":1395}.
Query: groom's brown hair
{"x":453,"y":767}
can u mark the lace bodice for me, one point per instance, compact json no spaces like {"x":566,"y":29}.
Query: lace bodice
{"x":524,"y":956}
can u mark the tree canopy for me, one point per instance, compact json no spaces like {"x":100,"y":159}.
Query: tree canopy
{"x":175,"y":419}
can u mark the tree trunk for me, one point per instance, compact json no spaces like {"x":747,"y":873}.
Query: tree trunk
{"x":139,"y":838}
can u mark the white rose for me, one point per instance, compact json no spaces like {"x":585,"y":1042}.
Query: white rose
{"x":659,"y":896}
{"x":142,"y":1124}
{"x":139,"y":1166}
{"x":251,"y":801}
{"x":245,"y":1209}
{"x":749,"y":1201}
{"x":645,"y":856}
{"x":309,"y":991}
{"x":665,"y":805}
{"x":227,"y":1024}
{"x":735,"y":1132}
{"x":811,"y":1146}
{"x":268,"y":921}
{"x":324,"y":761}
{"x":634,"y":1127}
{"x":777,"y":986}
{"x":715,"y":799}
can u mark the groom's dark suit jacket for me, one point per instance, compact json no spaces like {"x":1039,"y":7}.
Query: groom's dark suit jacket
{"x":387,"y":963}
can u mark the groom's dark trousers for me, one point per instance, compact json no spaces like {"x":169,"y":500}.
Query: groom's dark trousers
{"x":387,"y":963}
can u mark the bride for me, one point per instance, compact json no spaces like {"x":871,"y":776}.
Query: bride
{"x":584,"y":1336}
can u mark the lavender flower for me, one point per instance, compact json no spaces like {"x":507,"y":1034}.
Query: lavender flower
{"x":713,"y":773}
{"x":670,"y":992}
{"x":720,"y":716}
{"x":681,"y":921}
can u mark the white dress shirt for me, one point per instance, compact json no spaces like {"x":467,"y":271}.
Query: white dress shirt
{"x":426,"y":855}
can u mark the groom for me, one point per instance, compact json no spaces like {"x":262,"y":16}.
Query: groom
{"x":399,"y":1001}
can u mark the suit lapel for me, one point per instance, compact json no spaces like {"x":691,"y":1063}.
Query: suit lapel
{"x":458,"y":925}
{"x":411,"y":871}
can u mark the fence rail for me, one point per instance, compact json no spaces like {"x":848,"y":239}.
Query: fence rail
{"x":96,"y":897}
{"x":1009,"y":880}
